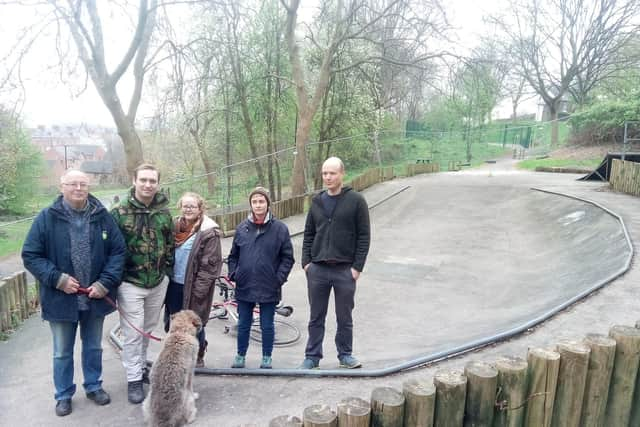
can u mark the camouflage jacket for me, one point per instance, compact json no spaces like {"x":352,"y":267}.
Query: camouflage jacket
{"x":148,"y":233}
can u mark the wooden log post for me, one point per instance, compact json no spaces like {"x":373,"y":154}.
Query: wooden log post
{"x":4,"y":307}
{"x":319,"y":416}
{"x":635,"y":405}
{"x":387,"y":407}
{"x":354,"y":412}
{"x":596,"y":391}
{"x":24,"y":293}
{"x":451,"y":393}
{"x":17,"y":308}
{"x":572,"y":378}
{"x":544,"y":365}
{"x":286,"y":421}
{"x":36,"y":297}
{"x":13,"y":298}
{"x":482,"y":383}
{"x":512,"y":391}
{"x":420,"y":403}
{"x":623,"y":379}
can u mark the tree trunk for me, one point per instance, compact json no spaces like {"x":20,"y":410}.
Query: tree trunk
{"x":126,"y":129}
{"x":241,"y":89}
{"x":376,"y":141}
{"x":227,"y":146}
{"x":307,"y":106}
{"x":248,"y":126}
{"x":298,"y":186}
{"x":208,"y":169}
{"x":270,"y":119}
{"x":132,"y":147}
{"x":553,"y":113}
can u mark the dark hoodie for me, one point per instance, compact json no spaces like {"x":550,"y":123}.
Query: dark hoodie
{"x":343,"y":237}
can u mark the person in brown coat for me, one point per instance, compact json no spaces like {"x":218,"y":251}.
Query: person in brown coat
{"x":198,"y":261}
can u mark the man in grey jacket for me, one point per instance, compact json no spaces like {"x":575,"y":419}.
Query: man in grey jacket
{"x":334,"y":251}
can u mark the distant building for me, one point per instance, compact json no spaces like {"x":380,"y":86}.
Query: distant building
{"x":80,"y":147}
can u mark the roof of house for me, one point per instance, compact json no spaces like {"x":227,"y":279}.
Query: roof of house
{"x":97,"y":167}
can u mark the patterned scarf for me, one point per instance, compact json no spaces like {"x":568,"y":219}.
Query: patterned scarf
{"x":185,"y":230}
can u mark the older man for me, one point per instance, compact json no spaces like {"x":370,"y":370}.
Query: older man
{"x":147,"y":226}
{"x":334,"y":251}
{"x":76,"y":252}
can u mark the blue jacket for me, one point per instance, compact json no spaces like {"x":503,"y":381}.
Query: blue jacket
{"x":260,"y":260}
{"x":46,"y":254}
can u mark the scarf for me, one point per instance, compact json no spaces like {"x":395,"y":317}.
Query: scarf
{"x":184,"y":230}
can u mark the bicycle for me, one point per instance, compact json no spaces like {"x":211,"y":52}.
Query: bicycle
{"x":285,"y":332}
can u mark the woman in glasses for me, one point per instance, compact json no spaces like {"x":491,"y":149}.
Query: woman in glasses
{"x":198,"y":260}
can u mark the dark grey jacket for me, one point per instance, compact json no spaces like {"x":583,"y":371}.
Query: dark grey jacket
{"x":344,"y":237}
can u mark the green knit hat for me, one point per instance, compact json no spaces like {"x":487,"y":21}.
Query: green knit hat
{"x":263,"y":191}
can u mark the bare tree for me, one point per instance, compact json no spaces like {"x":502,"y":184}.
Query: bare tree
{"x":345,"y":22}
{"x":234,"y":55}
{"x":565,"y":45}
{"x":192,"y":69}
{"x":613,"y":26}
{"x":82,"y":22}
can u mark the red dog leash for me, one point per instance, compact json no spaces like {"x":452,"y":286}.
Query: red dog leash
{"x":86,"y":291}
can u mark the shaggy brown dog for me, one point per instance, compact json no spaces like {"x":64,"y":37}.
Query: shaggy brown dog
{"x":171,"y":401}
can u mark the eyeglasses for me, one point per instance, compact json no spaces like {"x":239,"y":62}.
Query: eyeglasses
{"x":189,"y":208}
{"x":80,"y":185}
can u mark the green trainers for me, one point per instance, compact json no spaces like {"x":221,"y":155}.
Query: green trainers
{"x":349,"y":362}
{"x":309,"y":364}
{"x":238,"y":362}
{"x":266,"y":362}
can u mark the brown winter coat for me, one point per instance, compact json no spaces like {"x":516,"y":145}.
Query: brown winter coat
{"x":203,"y":266}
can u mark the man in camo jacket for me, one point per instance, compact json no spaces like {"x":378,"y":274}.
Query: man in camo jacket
{"x":147,"y":227}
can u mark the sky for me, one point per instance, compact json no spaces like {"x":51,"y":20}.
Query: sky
{"x":48,"y":101}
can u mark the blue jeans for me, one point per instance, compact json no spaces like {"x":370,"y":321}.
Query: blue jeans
{"x":64,"y":338}
{"x":267,"y":327}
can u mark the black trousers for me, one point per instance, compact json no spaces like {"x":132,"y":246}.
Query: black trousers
{"x":173,"y":304}
{"x":321,"y":278}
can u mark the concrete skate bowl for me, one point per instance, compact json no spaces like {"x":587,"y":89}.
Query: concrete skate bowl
{"x":481,"y":266}
{"x":455,"y":265}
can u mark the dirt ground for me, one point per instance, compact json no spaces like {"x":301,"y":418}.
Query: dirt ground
{"x":585,"y":152}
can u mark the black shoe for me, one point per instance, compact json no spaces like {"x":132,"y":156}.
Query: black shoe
{"x":145,"y":375}
{"x":135,"y":393}
{"x":63,"y":407}
{"x":100,"y":397}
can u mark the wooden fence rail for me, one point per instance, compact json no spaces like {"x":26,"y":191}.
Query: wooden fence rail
{"x":422,"y":168}
{"x":625,"y":177}
{"x":281,"y":209}
{"x":592,"y":382}
{"x":16,"y":303}
{"x":367,"y":179}
{"x":295,"y":205}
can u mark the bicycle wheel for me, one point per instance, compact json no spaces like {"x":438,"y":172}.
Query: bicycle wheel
{"x":218,"y":312}
{"x":286,"y":333}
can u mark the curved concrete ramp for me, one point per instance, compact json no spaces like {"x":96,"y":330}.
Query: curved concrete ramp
{"x":455,"y":261}
{"x":471,"y":262}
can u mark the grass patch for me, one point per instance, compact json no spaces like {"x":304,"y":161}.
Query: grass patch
{"x":12,"y":237}
{"x":563,"y":163}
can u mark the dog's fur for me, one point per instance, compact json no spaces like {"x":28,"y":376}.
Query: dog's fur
{"x":171,"y":400}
